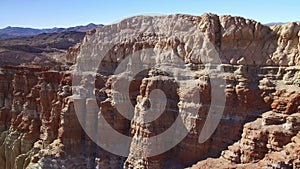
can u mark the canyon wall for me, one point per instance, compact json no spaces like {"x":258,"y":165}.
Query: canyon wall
{"x":50,"y":117}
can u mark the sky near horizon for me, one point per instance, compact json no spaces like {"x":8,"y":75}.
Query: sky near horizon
{"x":67,"y":13}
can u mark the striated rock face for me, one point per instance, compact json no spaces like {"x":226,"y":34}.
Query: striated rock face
{"x":38,"y":122}
{"x":55,"y":119}
{"x":269,"y":141}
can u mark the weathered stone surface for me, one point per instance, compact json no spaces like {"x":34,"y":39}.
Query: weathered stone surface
{"x":270,"y":141}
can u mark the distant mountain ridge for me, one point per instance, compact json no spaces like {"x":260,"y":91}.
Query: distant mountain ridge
{"x":10,"y":32}
{"x":275,"y":23}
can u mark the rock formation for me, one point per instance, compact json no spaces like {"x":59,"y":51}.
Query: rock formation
{"x":270,"y":141}
{"x":48,"y":122}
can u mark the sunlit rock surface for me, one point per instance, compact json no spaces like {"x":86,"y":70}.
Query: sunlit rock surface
{"x":44,"y":119}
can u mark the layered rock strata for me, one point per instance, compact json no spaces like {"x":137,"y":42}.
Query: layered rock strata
{"x":270,"y":141}
{"x":50,"y":118}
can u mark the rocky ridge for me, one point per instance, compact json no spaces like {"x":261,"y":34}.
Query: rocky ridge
{"x":47,"y":49}
{"x":13,"y":32}
{"x":40,"y":127}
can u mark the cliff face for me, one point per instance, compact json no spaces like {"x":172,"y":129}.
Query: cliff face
{"x":52,"y":118}
{"x":270,"y":141}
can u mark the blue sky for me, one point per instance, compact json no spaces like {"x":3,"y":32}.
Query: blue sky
{"x":66,"y":13}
